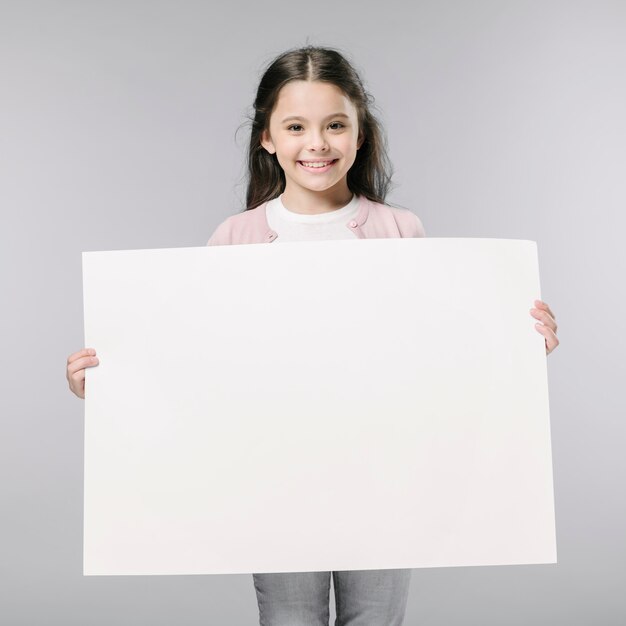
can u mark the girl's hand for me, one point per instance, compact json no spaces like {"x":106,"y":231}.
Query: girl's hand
{"x":76,"y":364}
{"x":548,"y":327}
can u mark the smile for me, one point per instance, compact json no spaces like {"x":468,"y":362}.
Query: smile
{"x":316,"y":166}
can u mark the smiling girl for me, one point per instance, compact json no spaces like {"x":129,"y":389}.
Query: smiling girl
{"x":318,"y":169}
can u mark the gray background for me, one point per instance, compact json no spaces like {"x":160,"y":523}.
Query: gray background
{"x":117,"y":124}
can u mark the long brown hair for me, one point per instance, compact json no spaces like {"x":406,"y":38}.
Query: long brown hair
{"x":371,"y":172}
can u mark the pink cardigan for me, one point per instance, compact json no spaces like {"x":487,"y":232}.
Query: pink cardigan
{"x":373,"y":220}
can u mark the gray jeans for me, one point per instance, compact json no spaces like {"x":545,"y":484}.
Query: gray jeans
{"x":362,"y":597}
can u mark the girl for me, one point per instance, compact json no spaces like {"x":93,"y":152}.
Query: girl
{"x":318,"y":169}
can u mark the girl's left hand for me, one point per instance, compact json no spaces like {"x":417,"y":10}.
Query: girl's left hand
{"x":548,"y":327}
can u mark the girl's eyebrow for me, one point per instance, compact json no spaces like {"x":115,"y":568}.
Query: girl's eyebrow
{"x":303,"y":119}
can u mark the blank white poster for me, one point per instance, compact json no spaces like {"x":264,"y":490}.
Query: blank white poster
{"x":316,"y":406}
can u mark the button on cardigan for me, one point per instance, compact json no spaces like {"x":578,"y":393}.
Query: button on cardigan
{"x":374,"y":220}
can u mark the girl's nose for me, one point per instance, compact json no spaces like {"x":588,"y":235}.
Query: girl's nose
{"x":318,"y":143}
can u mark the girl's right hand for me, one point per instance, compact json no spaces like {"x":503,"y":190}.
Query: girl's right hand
{"x":76,"y":364}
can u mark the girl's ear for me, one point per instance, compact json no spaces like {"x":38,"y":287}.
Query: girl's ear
{"x":266,"y":142}
{"x":360,"y":140}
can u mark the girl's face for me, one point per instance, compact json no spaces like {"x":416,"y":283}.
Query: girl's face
{"x":313,"y":121}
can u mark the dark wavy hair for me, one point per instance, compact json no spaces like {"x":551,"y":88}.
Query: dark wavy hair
{"x":371,"y":172}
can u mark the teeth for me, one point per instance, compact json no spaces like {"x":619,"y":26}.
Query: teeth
{"x":313,"y":164}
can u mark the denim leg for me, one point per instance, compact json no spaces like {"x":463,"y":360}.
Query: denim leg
{"x":371,"y":597}
{"x":293,"y":598}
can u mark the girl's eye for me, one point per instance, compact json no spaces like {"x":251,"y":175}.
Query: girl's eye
{"x":293,"y":126}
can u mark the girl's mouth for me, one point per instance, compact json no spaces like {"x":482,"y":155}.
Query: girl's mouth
{"x":314,"y":168}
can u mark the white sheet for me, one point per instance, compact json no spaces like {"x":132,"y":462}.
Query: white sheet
{"x":313,"y":406}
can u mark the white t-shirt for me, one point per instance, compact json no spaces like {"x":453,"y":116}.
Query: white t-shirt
{"x":292,"y":226}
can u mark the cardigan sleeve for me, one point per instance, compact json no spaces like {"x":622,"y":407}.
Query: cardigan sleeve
{"x":420,"y":231}
{"x":222,"y":234}
{"x":410,"y":224}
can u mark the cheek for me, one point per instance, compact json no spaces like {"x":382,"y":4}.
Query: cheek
{"x":286,"y":162}
{"x":290,"y":148}
{"x":348,"y":149}
{"x":347,"y":143}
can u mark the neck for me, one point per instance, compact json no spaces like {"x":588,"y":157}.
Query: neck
{"x":310,"y":202}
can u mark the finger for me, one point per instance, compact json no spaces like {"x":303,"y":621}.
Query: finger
{"x":77,"y":377}
{"x":545,"y":318}
{"x":543,"y":305}
{"x":77,"y":387}
{"x":77,"y":355}
{"x":81,"y":364}
{"x":551,"y":339}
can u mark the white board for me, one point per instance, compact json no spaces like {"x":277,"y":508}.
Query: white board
{"x":316,"y":406}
